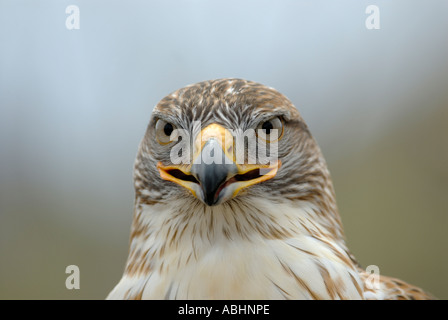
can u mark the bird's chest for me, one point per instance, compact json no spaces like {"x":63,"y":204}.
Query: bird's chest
{"x":247,"y":270}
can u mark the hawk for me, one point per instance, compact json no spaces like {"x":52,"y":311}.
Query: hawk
{"x":225,"y":229}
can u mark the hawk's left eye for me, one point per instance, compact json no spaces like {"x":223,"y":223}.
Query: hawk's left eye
{"x":164,"y":131}
{"x":270,"y":130}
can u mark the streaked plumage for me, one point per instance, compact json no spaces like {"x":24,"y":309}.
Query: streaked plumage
{"x":276,"y":238}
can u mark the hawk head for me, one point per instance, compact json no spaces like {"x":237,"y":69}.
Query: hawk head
{"x":229,"y":140}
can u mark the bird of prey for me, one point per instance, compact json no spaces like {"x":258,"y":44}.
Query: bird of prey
{"x":216,"y":228}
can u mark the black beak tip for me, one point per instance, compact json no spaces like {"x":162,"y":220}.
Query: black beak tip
{"x":210,"y":201}
{"x":211,"y":197}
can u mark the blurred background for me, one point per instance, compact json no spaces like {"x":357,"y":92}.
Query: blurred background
{"x":74,"y":105}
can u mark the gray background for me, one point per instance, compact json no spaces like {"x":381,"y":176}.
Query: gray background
{"x":75,"y":104}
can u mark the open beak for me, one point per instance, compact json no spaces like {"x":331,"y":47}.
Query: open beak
{"x":214,"y":176}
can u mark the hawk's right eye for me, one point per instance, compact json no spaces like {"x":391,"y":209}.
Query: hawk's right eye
{"x":164,"y":131}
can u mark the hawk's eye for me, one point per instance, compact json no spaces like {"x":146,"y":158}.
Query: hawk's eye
{"x":164,"y":131}
{"x":270,"y":130}
{"x":168,"y":129}
{"x":267,"y":126}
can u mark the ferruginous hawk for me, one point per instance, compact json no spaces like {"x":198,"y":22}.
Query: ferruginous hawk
{"x":207,"y":226}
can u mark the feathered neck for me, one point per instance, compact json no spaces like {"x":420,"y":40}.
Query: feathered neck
{"x":254,"y":249}
{"x":158,"y":227}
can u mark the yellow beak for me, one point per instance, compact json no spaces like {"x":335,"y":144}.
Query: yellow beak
{"x":214,"y":176}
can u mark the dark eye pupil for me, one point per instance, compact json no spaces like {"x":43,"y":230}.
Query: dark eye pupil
{"x":267,"y":127}
{"x":168,"y":129}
